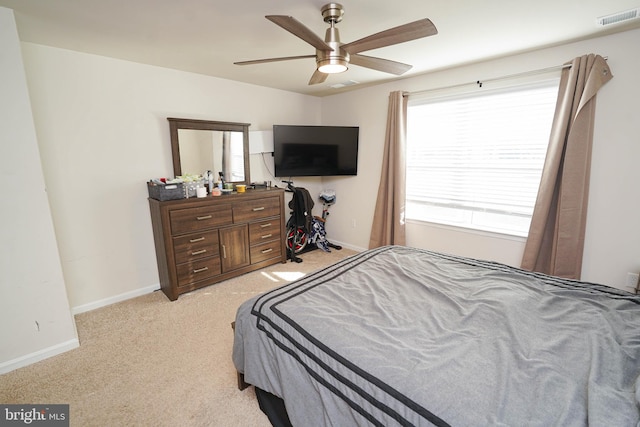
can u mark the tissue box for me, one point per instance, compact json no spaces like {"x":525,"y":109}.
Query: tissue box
{"x":166,"y":192}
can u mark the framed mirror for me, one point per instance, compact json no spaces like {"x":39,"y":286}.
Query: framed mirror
{"x":201,"y":145}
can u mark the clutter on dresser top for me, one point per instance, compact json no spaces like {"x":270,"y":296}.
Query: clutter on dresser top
{"x":196,"y":185}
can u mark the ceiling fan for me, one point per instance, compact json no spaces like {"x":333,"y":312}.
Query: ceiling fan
{"x":332,"y":56}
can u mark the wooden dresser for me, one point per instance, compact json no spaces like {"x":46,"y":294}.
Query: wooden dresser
{"x":203,"y":241}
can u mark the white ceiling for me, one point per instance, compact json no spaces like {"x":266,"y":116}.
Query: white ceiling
{"x":208,"y":36}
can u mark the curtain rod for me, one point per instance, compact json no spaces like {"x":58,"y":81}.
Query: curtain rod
{"x":509,"y":76}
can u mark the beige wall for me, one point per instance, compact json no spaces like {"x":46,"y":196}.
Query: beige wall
{"x":35,"y":319}
{"x":103,"y":133}
{"x":613,"y":230}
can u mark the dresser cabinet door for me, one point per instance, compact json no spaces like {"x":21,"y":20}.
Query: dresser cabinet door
{"x":234,"y":247}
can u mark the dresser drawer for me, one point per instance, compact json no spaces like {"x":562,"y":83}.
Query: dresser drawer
{"x":194,"y":219}
{"x":265,"y":251}
{"x":195,"y":246}
{"x":193,"y":271}
{"x":256,"y":209}
{"x":264,"y":231}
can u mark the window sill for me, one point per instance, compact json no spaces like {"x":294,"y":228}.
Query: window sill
{"x":485,"y":233}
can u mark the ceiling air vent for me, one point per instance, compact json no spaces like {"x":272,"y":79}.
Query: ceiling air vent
{"x":344,"y":84}
{"x":616,"y":18}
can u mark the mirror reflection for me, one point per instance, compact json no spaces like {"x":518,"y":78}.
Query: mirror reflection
{"x":202,"y":145}
{"x":216,"y":151}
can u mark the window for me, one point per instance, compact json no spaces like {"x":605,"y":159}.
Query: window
{"x":475,"y":160}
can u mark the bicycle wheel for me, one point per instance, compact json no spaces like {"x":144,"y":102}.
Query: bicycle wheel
{"x":296,"y":236}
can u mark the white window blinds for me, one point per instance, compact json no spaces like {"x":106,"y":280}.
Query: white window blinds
{"x":475,"y":160}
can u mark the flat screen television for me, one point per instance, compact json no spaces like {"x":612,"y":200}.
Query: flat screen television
{"x":315,"y":150}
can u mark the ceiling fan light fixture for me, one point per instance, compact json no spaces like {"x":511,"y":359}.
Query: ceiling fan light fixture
{"x":333,"y":57}
{"x":332,"y":66}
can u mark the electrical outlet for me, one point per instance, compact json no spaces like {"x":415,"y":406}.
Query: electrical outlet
{"x":632,"y":282}
{"x":353,"y":223}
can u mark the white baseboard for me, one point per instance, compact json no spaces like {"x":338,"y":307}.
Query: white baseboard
{"x":37,"y":356}
{"x":114,"y":299}
{"x":348,"y":246}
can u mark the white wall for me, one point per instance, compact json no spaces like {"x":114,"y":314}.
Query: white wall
{"x":612,"y":245}
{"x":103,"y":133}
{"x":35,"y":319}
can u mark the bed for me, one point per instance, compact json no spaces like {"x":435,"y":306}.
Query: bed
{"x":402,"y":336}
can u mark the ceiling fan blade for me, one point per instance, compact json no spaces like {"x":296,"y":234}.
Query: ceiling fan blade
{"x":318,"y":77}
{"x":403,"y":33}
{"x":298,"y":29}
{"x":262,"y":61}
{"x":384,"y":65}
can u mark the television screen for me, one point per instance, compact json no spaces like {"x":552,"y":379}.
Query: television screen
{"x":315,"y":150}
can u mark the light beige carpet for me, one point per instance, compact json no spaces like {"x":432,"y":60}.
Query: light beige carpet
{"x":152,"y":362}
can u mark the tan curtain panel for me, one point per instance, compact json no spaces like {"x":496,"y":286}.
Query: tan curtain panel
{"x":226,"y":155}
{"x":388,"y":220}
{"x":556,"y":235}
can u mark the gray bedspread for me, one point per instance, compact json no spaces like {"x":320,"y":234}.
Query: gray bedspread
{"x":401,"y":336}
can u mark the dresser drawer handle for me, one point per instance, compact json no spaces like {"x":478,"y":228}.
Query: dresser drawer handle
{"x":200,"y":218}
{"x":199,"y":239}
{"x":266,"y":251}
{"x":198,"y":252}
{"x":261,"y":208}
{"x":200,"y":270}
{"x":266,"y":236}
{"x":265,"y":225}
